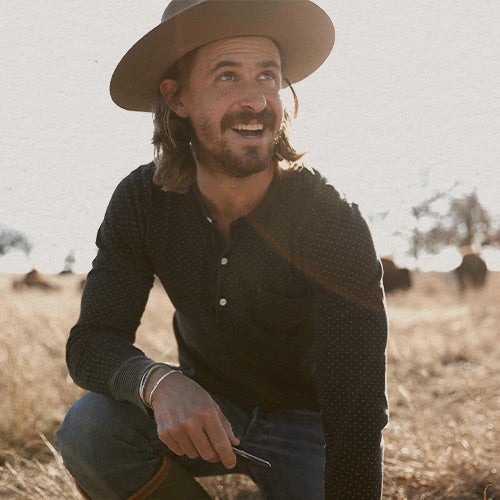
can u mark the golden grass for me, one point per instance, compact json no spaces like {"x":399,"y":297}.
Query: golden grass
{"x":443,"y":375}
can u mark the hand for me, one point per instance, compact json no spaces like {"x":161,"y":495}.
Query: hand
{"x":190,"y":422}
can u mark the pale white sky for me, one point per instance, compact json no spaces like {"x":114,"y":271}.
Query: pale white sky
{"x":407,"y":103}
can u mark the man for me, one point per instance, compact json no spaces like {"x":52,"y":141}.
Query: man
{"x":280,"y":317}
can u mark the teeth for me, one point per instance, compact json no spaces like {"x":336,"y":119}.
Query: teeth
{"x":255,"y":126}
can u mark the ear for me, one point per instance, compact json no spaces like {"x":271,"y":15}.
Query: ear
{"x":169,"y":89}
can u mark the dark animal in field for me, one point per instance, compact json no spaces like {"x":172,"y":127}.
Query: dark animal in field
{"x":471,"y":272}
{"x":34,"y":279}
{"x":395,"y":278}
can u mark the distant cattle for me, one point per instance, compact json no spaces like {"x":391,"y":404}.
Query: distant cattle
{"x":395,"y":278}
{"x":34,"y":279}
{"x":471,"y":272}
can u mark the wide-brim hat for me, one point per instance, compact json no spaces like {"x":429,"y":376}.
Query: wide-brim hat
{"x":302,"y":30}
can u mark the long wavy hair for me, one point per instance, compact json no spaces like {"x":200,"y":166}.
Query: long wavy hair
{"x":173,"y":136}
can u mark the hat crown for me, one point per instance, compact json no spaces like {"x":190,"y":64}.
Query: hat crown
{"x":175,"y":7}
{"x":300,"y":28}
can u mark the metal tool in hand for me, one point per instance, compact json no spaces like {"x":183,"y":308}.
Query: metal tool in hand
{"x":251,"y":457}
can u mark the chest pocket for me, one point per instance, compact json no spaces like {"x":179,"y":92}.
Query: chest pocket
{"x":281,"y":314}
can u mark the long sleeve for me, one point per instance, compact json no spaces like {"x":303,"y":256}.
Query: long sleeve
{"x":100,"y":353}
{"x":350,"y":327}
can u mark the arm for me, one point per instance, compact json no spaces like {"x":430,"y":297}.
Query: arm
{"x":350,"y":327}
{"x":100,"y":353}
{"x":351,"y":385}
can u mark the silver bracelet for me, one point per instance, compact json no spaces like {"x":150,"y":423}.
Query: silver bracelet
{"x":161,"y":379}
{"x":145,"y":377}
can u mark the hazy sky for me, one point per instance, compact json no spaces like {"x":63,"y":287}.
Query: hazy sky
{"x":408,"y":103}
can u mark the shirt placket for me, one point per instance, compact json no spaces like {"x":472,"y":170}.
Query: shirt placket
{"x":224,"y":269}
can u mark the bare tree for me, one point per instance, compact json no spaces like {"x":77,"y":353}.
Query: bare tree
{"x":447,"y":220}
{"x":69,"y":262}
{"x":11,"y":239}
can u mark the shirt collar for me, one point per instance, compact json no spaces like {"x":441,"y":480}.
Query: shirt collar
{"x":265,"y":207}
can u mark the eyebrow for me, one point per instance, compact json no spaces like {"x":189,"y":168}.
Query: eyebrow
{"x":233,"y":64}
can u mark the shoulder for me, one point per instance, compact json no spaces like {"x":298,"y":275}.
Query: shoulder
{"x":336,"y":245}
{"x":138,"y":189}
{"x":132,"y":198}
{"x":331,"y":222}
{"x":316,"y":197}
{"x":139,"y":179}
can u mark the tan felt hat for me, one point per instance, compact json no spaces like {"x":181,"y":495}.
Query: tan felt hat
{"x":302,"y":30}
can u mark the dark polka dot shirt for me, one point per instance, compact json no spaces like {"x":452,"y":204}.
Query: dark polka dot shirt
{"x":288,"y":313}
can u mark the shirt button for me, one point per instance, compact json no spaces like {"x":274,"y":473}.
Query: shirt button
{"x":222,"y":302}
{"x":223,"y":261}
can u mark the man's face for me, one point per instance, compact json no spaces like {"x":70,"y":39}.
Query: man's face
{"x":232,"y":100}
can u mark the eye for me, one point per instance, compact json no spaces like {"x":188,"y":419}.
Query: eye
{"x":268,"y":76}
{"x":227,"y":77}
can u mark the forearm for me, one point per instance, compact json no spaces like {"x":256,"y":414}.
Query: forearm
{"x":351,"y":377}
{"x":100,"y":351}
{"x":354,"y":470}
{"x":104,"y":362}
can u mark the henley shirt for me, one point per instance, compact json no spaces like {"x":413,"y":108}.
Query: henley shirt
{"x":288,"y":313}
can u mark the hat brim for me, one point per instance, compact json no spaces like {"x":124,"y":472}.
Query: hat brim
{"x":302,"y":30}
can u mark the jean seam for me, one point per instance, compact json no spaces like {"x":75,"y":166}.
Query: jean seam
{"x":246,"y":431}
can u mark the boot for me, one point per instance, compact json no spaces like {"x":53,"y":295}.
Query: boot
{"x":81,"y":491}
{"x":170,"y":482}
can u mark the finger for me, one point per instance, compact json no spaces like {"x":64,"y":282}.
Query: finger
{"x":171,"y":444}
{"x":185,"y":443}
{"x":204,"y":447}
{"x":219,"y":439}
{"x":178,"y":441}
{"x":234,"y":441}
{"x":229,"y":429}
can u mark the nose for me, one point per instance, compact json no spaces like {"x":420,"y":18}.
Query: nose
{"x":252,"y":97}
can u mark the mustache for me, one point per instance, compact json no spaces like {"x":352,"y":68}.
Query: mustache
{"x":266,"y":117}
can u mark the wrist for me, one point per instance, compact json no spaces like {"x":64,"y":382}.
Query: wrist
{"x":155,"y":380}
{"x":151,"y":381}
{"x":150,"y":373}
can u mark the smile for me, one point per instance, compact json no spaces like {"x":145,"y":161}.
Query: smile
{"x":248,"y":129}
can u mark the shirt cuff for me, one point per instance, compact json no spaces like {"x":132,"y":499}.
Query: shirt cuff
{"x":126,"y":380}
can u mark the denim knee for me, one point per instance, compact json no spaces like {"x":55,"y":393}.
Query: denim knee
{"x":92,"y":418}
{"x":107,"y":439}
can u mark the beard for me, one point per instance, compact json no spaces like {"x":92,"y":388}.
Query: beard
{"x":250,"y":162}
{"x":242,"y":163}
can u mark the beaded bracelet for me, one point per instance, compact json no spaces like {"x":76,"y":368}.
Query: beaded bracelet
{"x":145,"y":377}
{"x":161,"y":379}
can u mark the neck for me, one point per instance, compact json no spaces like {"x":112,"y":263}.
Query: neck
{"x":228,"y":198}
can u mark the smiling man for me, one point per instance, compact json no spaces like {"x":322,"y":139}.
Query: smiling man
{"x":280,"y":315}
{"x":233,"y":103}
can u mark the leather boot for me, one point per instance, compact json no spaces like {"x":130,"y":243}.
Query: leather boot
{"x":170,"y":482}
{"x":81,"y":491}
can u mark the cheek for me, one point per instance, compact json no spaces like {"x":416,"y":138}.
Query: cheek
{"x":276,"y":104}
{"x":209,"y":112}
{"x":206,"y":127}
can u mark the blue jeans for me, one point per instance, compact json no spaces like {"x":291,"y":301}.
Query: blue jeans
{"x":109,"y":447}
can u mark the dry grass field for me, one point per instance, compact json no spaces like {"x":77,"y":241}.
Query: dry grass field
{"x":443,"y":440}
